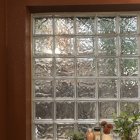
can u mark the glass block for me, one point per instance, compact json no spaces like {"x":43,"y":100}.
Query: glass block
{"x":128,"y":24}
{"x":130,"y":107}
{"x":64,"y":66}
{"x":63,"y":130}
{"x":43,"y":110}
{"x":43,"y":25}
{"x":106,"y":25}
{"x":107,"y":88}
{"x":64,"y":25}
{"x":129,"y":88}
{"x":43,"y":67}
{"x":129,"y":67}
{"x":65,"y":110}
{"x":107,"y":66}
{"x":43,"y":46}
{"x":85,"y":67}
{"x":65,"y":88}
{"x":44,"y":132}
{"x":86,"y":110}
{"x":84,"y":127}
{"x":85,"y":46}
{"x":129,"y":46}
{"x":86,"y":88}
{"x":107,"y":46}
{"x":43,"y":88}
{"x":64,"y":46}
{"x":107,"y":109}
{"x":84,"y":25}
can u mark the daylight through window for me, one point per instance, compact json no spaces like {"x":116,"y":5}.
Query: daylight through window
{"x":85,"y":68}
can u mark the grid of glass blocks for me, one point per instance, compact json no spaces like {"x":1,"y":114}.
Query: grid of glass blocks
{"x":85,"y":68}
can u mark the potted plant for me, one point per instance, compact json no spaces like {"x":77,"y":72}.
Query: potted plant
{"x":76,"y":135}
{"x":127,"y":124}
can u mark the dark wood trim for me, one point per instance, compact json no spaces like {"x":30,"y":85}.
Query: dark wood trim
{"x":85,"y":8}
{"x":28,"y":75}
{"x":79,"y":2}
{"x":3,"y":72}
{"x":16,"y":46}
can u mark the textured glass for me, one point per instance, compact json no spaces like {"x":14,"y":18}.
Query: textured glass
{"x":64,"y":25}
{"x":107,"y":109}
{"x":107,"y":88}
{"x":129,"y":67}
{"x":43,"y":67}
{"x":84,"y":25}
{"x":43,"y":46}
{"x":64,"y":66}
{"x":85,"y":69}
{"x":86,"y":88}
{"x":65,"y":88}
{"x":107,"y":66}
{"x":65,"y":110}
{"x":107,"y":46}
{"x":43,"y":110}
{"x":129,"y":45}
{"x":44,"y":132}
{"x":43,"y":88}
{"x":84,"y":127}
{"x":128,"y":24}
{"x":43,"y":25}
{"x":86,"y":110}
{"x":64,"y":46}
{"x":129,"y":88}
{"x":85,"y":46}
{"x":106,"y":25}
{"x":85,"y":66}
{"x":129,"y":106}
{"x":63,"y":130}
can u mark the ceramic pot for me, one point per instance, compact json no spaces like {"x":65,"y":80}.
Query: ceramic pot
{"x":90,"y":135}
{"x":107,"y":137}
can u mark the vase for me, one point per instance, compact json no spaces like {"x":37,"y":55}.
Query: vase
{"x":107,"y":137}
{"x":90,"y":135}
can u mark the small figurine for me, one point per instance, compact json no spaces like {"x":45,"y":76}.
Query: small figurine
{"x":90,"y":135}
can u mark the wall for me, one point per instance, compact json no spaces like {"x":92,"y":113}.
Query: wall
{"x":18,"y":53}
{"x":3,"y":76}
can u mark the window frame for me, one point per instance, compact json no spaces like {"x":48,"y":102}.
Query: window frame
{"x":18,"y":65}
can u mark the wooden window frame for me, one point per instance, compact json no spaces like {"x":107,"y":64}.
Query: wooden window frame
{"x":18,"y":53}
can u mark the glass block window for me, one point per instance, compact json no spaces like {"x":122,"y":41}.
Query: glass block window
{"x":85,"y":68}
